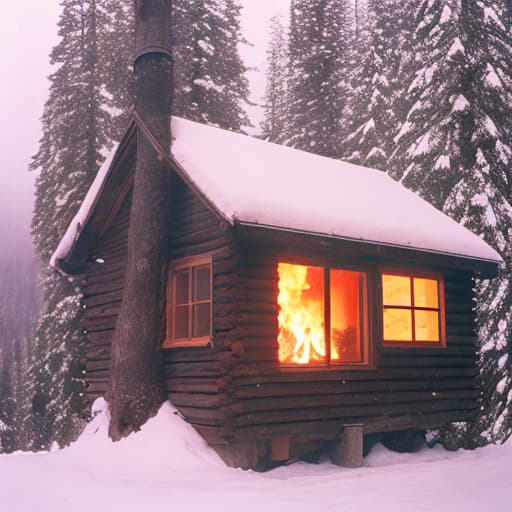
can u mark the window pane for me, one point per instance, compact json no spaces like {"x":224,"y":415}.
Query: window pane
{"x":426,"y":293}
{"x":181,"y":283}
{"x":396,"y":290}
{"x":181,"y":322}
{"x":397,"y":324}
{"x":346,"y":338}
{"x":301,"y":316}
{"x":427,"y":325}
{"x":201,"y":320}
{"x":202,"y":282}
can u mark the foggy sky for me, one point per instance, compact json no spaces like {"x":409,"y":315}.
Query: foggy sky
{"x":29,"y":31}
{"x":27,"y":35}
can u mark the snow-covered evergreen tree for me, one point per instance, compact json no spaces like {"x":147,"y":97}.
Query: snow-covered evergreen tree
{"x":91,"y":90}
{"x":317,"y":86}
{"x":7,"y":403}
{"x":273,"y":126}
{"x":454,"y":149}
{"x":210,"y":86}
{"x":115,"y":60}
{"x":19,"y":306}
{"x":75,"y":129}
{"x":380,"y":67}
{"x":482,"y":200}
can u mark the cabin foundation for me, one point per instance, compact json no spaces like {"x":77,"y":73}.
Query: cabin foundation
{"x":244,"y":455}
{"x":347,"y":451}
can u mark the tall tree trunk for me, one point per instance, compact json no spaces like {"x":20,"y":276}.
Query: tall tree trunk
{"x":136,"y":387}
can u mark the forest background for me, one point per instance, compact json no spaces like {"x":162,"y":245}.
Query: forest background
{"x":420,"y":89}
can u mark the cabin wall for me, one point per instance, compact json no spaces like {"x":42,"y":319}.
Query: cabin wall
{"x":103,"y":291}
{"x":405,"y":388}
{"x":234,"y":392}
{"x":196,"y":378}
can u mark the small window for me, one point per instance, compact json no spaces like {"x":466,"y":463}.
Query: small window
{"x":189,"y":311}
{"x":413,"y":312}
{"x":322,"y":316}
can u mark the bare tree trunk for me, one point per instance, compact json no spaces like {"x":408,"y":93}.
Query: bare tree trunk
{"x":136,"y":386}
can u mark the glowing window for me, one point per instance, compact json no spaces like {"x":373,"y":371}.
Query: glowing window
{"x":189,"y":303}
{"x":322,"y":316}
{"x":412,"y":309}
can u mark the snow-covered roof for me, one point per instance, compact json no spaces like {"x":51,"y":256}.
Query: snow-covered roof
{"x":82,"y":216}
{"x":257,"y":182}
{"x":251,"y":181}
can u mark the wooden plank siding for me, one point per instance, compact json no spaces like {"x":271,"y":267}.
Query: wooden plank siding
{"x":196,"y":377}
{"x":404,"y":388}
{"x":234,"y":390}
{"x":103,"y":290}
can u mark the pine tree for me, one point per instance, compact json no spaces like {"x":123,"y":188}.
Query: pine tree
{"x":19,"y":305}
{"x":75,"y":128}
{"x":378,"y":80}
{"x":454,"y":149}
{"x":316,"y":87}
{"x":273,"y":126}
{"x":90,"y":93}
{"x":7,"y":404}
{"x":434,"y":143}
{"x":115,"y":61}
{"x":210,"y":86}
{"x":482,"y":200}
{"x":209,"y":82}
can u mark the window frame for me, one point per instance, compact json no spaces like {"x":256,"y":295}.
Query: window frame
{"x":176,"y":265}
{"x":412,"y":273}
{"x":368,"y":346}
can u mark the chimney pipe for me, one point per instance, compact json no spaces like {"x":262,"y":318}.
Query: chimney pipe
{"x":153,"y":66}
{"x":136,"y":387}
{"x":152,"y":33}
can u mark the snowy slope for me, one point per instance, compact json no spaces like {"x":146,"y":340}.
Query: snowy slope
{"x":168,"y":467}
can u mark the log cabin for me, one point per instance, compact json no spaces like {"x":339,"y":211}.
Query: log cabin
{"x":310,"y":302}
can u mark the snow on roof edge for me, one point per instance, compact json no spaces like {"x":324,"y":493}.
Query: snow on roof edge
{"x":184,"y":175}
{"x":210,"y":169}
{"x":74,"y":229}
{"x":82,"y":216}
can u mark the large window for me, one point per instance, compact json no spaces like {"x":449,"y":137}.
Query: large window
{"x":323,"y":316}
{"x":189,"y":303}
{"x":412,"y":308}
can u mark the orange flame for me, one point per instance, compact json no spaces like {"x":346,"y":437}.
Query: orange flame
{"x":301,"y":316}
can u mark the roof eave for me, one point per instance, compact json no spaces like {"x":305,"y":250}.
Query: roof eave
{"x":486,"y":268}
{"x":73,"y":261}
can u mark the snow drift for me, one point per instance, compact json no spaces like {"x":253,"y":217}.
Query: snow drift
{"x":167,"y":466}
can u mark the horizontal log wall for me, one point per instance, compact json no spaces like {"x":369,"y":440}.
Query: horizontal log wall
{"x":234,"y":391}
{"x":104,"y":282}
{"x":197,"y":378}
{"x":405,"y":388}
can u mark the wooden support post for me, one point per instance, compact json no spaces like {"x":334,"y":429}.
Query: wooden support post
{"x":280,"y":448}
{"x":347,"y":451}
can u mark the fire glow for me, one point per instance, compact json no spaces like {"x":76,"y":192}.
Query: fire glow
{"x":301,"y":316}
{"x":304,"y":338}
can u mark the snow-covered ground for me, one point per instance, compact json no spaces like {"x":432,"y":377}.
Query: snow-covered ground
{"x":167,"y":467}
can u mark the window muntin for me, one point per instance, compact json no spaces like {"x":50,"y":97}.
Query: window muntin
{"x":322,"y":317}
{"x":189,"y":303}
{"x":412,"y":308}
